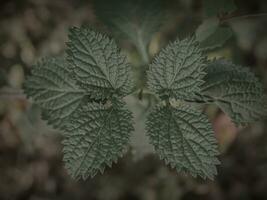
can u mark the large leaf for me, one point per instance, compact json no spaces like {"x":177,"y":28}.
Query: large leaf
{"x":184,"y":139}
{"x":99,"y":66}
{"x":178,"y":70}
{"x":96,"y":137}
{"x":235,"y":90}
{"x":52,"y":87}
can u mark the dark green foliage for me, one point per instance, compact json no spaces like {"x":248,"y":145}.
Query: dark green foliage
{"x":97,"y":64}
{"x":95,"y":137}
{"x":52,"y":87}
{"x":235,"y":90}
{"x":82,"y":95}
{"x":183,"y":137}
{"x":95,"y":134}
{"x":178,"y":70}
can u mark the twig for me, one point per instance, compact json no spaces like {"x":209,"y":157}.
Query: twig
{"x":11,"y":93}
{"x":231,"y":18}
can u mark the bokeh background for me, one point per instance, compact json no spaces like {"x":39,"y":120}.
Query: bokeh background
{"x":30,"y":152}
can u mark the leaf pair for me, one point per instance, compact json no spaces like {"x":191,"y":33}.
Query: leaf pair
{"x":83,"y":98}
{"x":183,"y":136}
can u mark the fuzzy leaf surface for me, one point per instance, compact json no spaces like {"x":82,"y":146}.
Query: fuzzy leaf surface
{"x":96,"y":136}
{"x":235,"y":90}
{"x":178,"y":70}
{"x":184,"y":139}
{"x":52,"y":87}
{"x":99,"y":66}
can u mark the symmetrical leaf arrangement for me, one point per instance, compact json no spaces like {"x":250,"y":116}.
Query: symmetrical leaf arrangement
{"x":82,"y":95}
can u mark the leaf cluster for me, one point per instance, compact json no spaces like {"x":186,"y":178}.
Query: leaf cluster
{"x":83,"y":93}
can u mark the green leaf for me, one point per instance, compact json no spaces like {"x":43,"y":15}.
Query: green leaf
{"x":217,"y":39}
{"x":211,"y":35}
{"x":136,"y":20}
{"x":178,"y":70}
{"x":98,"y":65}
{"x":184,"y":139}
{"x":207,"y":28}
{"x":96,"y":136}
{"x":235,"y":90}
{"x":218,"y":7}
{"x":52,"y":87}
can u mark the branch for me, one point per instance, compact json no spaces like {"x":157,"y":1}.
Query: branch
{"x":12,"y":93}
{"x":232,"y":18}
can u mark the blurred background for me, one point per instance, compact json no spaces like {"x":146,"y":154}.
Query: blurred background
{"x":30,"y":152}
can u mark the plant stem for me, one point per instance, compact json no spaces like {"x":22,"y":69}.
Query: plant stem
{"x":11,"y":93}
{"x":143,"y":51}
{"x":231,"y":18}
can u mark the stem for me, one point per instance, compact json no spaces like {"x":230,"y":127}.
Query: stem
{"x":231,"y":18}
{"x":143,"y":51}
{"x":11,"y":93}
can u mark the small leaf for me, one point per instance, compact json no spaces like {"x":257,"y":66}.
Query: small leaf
{"x":96,"y":137}
{"x":136,"y":20}
{"x":235,"y":90}
{"x":207,"y":28}
{"x":98,"y":65}
{"x":217,"y":39}
{"x":52,"y":87}
{"x":218,"y":7}
{"x":211,"y":35}
{"x":184,"y":139}
{"x":178,"y":70}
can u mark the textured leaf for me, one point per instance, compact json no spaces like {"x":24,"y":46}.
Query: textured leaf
{"x":100,"y":68}
{"x":218,"y":7}
{"x":96,"y":136}
{"x":184,"y":139}
{"x":235,"y":90}
{"x":52,"y":87}
{"x":178,"y":70}
{"x":207,"y":28}
{"x":136,"y":20}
